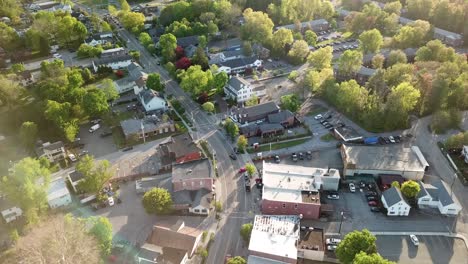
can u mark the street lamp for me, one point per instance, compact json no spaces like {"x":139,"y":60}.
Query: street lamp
{"x":341,"y":222}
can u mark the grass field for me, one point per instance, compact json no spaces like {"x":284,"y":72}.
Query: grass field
{"x":280,"y":145}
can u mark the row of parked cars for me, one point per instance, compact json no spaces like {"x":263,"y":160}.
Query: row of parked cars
{"x":389,"y":140}
{"x":371,"y":195}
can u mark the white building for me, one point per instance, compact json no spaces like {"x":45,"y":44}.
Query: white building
{"x":58,"y":194}
{"x":151,"y":102}
{"x":241,"y":90}
{"x":54,"y":152}
{"x":9,"y":211}
{"x":389,"y":159}
{"x":274,"y":238}
{"x":239,"y":65}
{"x":114,"y":62}
{"x":436,"y":195}
{"x":99,"y":39}
{"x":393,"y":201}
{"x":465,"y":153}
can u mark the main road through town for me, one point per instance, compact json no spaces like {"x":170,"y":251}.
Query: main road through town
{"x":237,"y":204}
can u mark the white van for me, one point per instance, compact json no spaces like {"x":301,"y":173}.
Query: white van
{"x":94,"y":128}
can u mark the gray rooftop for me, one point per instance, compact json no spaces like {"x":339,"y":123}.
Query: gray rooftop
{"x":193,"y":198}
{"x":392,"y":196}
{"x":107,"y":60}
{"x":232,"y":53}
{"x":187,"y":41}
{"x":447,"y":34}
{"x":312,"y":24}
{"x":235,"y":63}
{"x":439,"y":192}
{"x":260,"y":109}
{"x":198,"y":169}
{"x":133,"y":126}
{"x":236,"y":82}
{"x":53,"y":146}
{"x":280,"y":117}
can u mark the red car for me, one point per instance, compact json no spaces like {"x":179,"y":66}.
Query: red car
{"x":242,"y":170}
{"x":372,"y":203}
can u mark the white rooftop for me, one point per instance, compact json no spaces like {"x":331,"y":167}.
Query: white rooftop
{"x":259,"y":260}
{"x":57,"y":189}
{"x":275,"y":235}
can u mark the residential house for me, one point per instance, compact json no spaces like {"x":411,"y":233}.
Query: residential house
{"x":226,"y":56}
{"x":239,"y":65}
{"x":263,"y":130}
{"x":151,"y":102}
{"x":117,"y":62}
{"x":393,"y":159}
{"x":447,"y":37}
{"x":315,"y":25}
{"x":464,"y":153}
{"x":99,"y":39}
{"x":187,"y":41}
{"x":294,"y":190}
{"x":274,"y":239}
{"x":26,"y":78}
{"x":242,"y":90}
{"x":10,"y":212}
{"x":436,"y":194}
{"x":190,"y":51}
{"x":395,"y":203}
{"x":361,"y":76}
{"x":148,"y":253}
{"x":254,"y":113}
{"x":74,"y":178}
{"x":134,"y":128}
{"x":177,"y":237}
{"x":179,"y":149}
{"x":58,"y":194}
{"x":115,"y":52}
{"x":136,"y":80}
{"x":54,"y":152}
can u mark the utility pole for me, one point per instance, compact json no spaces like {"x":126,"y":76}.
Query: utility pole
{"x":143,"y":131}
{"x":341,"y":222}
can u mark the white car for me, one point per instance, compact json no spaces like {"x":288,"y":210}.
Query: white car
{"x":317,"y":117}
{"x":414,"y":239}
{"x":110,"y":200}
{"x":333,"y":196}
{"x":72,"y":157}
{"x":331,"y":247}
{"x":57,"y":56}
{"x":352,"y":188}
{"x":391,"y":139}
{"x":333,"y":241}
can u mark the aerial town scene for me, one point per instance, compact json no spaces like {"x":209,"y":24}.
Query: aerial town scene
{"x":233,"y":131}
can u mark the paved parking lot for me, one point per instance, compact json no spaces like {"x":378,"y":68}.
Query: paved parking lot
{"x":96,"y":145}
{"x":432,"y":249}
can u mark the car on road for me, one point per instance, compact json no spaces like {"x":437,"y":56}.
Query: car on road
{"x":277,"y":159}
{"x":242,"y":170}
{"x":371,"y":198}
{"x":414,"y":239}
{"x":386,"y":139}
{"x":374,"y":209}
{"x":317,"y":117}
{"x":110,"y":200}
{"x":333,"y":196}
{"x":331,"y":247}
{"x":309,"y":155}
{"x":301,"y":156}
{"x":372,"y":203}
{"x":233,"y":156}
{"x":57,"y":56}
{"x":333,"y":241}
{"x":352,"y":188}
{"x":127,"y":149}
{"x":82,"y":153}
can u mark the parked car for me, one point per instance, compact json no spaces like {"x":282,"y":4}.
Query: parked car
{"x":368,"y":194}
{"x":94,"y":128}
{"x":331,"y":247}
{"x":96,"y":121}
{"x":294,"y":156}
{"x":301,"y":156}
{"x":277,"y":159}
{"x":83,"y":152}
{"x":352,"y":188}
{"x":233,"y":156}
{"x":371,"y":198}
{"x":110,"y":200}
{"x":309,"y":155}
{"x":392,"y":140}
{"x":127,"y":149}
{"x":246,"y":177}
{"x":414,"y":239}
{"x":397,"y":139}
{"x":57,"y":56}
{"x":387,"y":140}
{"x":362,"y":184}
{"x":333,"y":196}
{"x":72,"y":157}
{"x":333,"y":241}
{"x":372,"y":203}
{"x":317,"y":117}
{"x":106,"y":133}
{"x":242,"y":170}
{"x":329,"y":116}
{"x":374,"y":209}
{"x":328,"y":125}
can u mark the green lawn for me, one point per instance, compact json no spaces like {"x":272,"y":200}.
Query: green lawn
{"x":266,"y":147}
{"x":327,"y":137}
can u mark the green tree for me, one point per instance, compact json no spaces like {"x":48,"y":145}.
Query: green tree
{"x":314,"y":80}
{"x":132,"y":21}
{"x":370,"y":41}
{"x":247,"y":48}
{"x":354,"y":243}
{"x":246,"y":231}
{"x":96,"y":174}
{"x":196,"y":81}
{"x":95,"y":102}
{"x":157,"y":201}
{"x":154,"y":82}
{"x":9,"y":39}
{"x":298,"y":52}
{"x":218,"y":206}
{"x":209,"y":107}
{"x":290,"y":102}
{"x":396,"y":56}
{"x":293,"y":75}
{"x":281,"y":38}
{"x":29,"y":176}
{"x":220,"y":80}
{"x":412,"y":35}
{"x":242,"y":142}
{"x":253,"y":100}
{"x":87,"y":51}
{"x":458,"y":140}
{"x":350,"y":62}
{"x":109,"y":89}
{"x":393,"y":7}
{"x":168,"y":44}
{"x":14,"y":236}
{"x":202,"y":41}
{"x":257,"y":27}
{"x":237,"y":260}
{"x":396,"y":184}
{"x":145,"y":39}
{"x":102,"y":230}
{"x":310,"y":37}
{"x":17,"y":67}
{"x":435,"y":50}
{"x":200,"y":58}
{"x":400,"y":102}
{"x":378,"y":61}
{"x":250,"y":168}
{"x":398,"y":73}
{"x":11,"y":93}
{"x":124,"y":6}
{"x":374,"y":258}
{"x":28,"y":133}
{"x":231,"y":128}
{"x":321,"y":58}
{"x":410,"y":189}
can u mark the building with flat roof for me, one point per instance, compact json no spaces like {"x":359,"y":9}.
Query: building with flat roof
{"x":58,"y":194}
{"x":294,"y":190}
{"x":347,"y":134}
{"x":134,"y":128}
{"x":274,"y":238}
{"x":193,"y":175}
{"x":389,"y":159}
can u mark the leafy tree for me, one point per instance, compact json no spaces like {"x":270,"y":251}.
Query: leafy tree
{"x":398,"y":73}
{"x":396,"y":184}
{"x":220,"y":80}
{"x":374,"y":258}
{"x":209,"y":107}
{"x":102,"y":230}
{"x":109,"y":89}
{"x":435,"y":50}
{"x":95,"y":102}
{"x":410,"y":189}
{"x":17,"y":67}
{"x":87,"y":51}
{"x":242,"y":142}
{"x":257,"y":27}
{"x":218,"y":206}
{"x":290,"y":102}
{"x":9,"y":39}
{"x":176,"y":12}
{"x":412,"y":35}
{"x":132,"y":21}
{"x":351,"y":98}
{"x":321,"y":58}
{"x":196,"y":81}
{"x":253,"y":100}
{"x":370,"y":41}
{"x":400,"y":102}
{"x":445,"y":119}
{"x":11,"y":93}
{"x":250,"y":169}
{"x":314,"y":79}
{"x":280,"y":40}
{"x":154,"y":82}
{"x":145,"y":39}
{"x":350,"y":62}
{"x":237,"y":260}
{"x":157,"y":200}
{"x":202,"y":41}
{"x":25,"y":176}
{"x":231,"y":128}
{"x":55,"y":240}
{"x":298,"y":52}
{"x":289,"y":11}
{"x":378,"y":61}
{"x":393,"y":7}
{"x":28,"y":133}
{"x":125,"y":6}
{"x":246,"y":231}
{"x":247,"y":48}
{"x":168,"y":44}
{"x":310,"y":37}
{"x":200,"y":58}
{"x":293,"y":75}
{"x":396,"y":56}
{"x":458,"y":140}
{"x":96,"y":174}
{"x":354,"y":243}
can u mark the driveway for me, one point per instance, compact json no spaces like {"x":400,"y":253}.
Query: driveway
{"x":432,"y":249}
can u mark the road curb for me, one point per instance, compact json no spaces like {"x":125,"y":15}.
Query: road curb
{"x":446,"y":234}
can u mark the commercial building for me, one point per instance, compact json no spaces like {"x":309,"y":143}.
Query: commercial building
{"x":395,"y":203}
{"x":192,"y":176}
{"x":115,"y":63}
{"x":347,"y":134}
{"x":294,"y":190}
{"x":58,"y":194}
{"x":134,"y":128}
{"x":389,"y":159}
{"x":179,"y":149}
{"x":254,"y":113}
{"x":436,"y":194}
{"x":54,"y":152}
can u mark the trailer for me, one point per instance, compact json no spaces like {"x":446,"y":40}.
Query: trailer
{"x":371,"y":140}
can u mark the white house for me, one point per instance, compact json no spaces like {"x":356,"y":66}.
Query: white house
{"x":117,"y":62}
{"x":239,"y":89}
{"x":58,"y":194}
{"x":135,"y":81}
{"x":150,"y":101}
{"x":436,"y":195}
{"x":99,"y":39}
{"x":465,"y":153}
{"x":9,"y":211}
{"x":54,"y":152}
{"x":393,"y":200}
{"x":239,"y":65}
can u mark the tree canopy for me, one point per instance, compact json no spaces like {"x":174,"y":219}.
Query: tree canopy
{"x":257,"y":27}
{"x":374,"y":258}
{"x":237,"y":260}
{"x":231,"y":128}
{"x":157,"y":201}
{"x":102,"y":230}
{"x":246,"y":231}
{"x":196,"y":81}
{"x":410,"y":189}
{"x":281,"y":38}
{"x":321,"y":58}
{"x":154,"y":82}
{"x":290,"y":102}
{"x":355,"y":243}
{"x":298,"y":52}
{"x":350,"y":62}
{"x":96,"y":174}
{"x":370,"y":41}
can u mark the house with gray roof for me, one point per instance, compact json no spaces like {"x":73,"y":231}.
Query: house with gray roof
{"x":151,"y":102}
{"x":239,"y":65}
{"x":436,"y":194}
{"x":134,"y":128}
{"x":114,"y":62}
{"x":187,"y":41}
{"x":54,"y":152}
{"x":315,"y":25}
{"x":361,"y":76}
{"x":395,"y":203}
{"x":260,"y":112}
{"x":134,"y":81}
